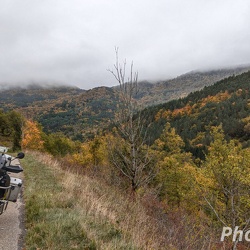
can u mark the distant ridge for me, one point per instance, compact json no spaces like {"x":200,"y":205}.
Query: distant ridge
{"x":79,"y":113}
{"x":224,"y":103}
{"x":181,"y":86}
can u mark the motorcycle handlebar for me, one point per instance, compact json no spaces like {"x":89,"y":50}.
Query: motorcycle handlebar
{"x":6,"y":163}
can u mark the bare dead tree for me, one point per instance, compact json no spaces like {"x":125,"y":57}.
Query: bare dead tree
{"x":130,"y":153}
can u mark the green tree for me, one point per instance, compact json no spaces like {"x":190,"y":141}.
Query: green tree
{"x":16,"y":121}
{"x":57,"y":144}
{"x":11,"y":128}
{"x":176,"y":171}
{"x":228,"y":167}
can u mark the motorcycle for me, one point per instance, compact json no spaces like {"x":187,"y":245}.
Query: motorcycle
{"x":10,"y":187}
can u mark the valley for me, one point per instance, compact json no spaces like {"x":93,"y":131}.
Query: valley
{"x":79,"y":114}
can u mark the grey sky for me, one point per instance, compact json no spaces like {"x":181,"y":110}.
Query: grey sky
{"x":72,"y":41}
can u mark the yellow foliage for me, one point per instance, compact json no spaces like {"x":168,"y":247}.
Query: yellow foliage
{"x":32,"y":136}
{"x":189,"y":109}
{"x":216,"y":98}
{"x":92,"y":153}
{"x":227,"y":169}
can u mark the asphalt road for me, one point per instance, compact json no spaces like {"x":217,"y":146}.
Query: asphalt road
{"x":11,"y":223}
{"x":11,"y":227}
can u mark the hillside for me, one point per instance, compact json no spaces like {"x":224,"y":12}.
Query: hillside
{"x":179,"y":87}
{"x":68,"y":210}
{"x":90,"y":195}
{"x":36,"y":96}
{"x":75,"y":112}
{"x":79,"y":114}
{"x":227,"y":102}
{"x":82,"y":116}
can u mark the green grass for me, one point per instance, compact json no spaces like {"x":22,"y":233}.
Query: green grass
{"x":51,"y":222}
{"x":69,"y":211}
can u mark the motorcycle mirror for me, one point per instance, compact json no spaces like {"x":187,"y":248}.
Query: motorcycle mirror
{"x":20,"y":155}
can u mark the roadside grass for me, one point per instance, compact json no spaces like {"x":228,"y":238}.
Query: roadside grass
{"x":65,"y":210}
{"x":51,"y":221}
{"x":68,"y":210}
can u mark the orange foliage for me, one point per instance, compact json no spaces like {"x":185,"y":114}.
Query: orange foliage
{"x":216,"y":98}
{"x":182,"y":111}
{"x":188,"y":109}
{"x":32,"y":136}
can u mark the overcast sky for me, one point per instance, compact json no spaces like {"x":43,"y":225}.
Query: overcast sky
{"x":73,"y":41}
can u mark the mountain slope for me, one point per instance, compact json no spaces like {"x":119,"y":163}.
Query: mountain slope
{"x":181,"y":86}
{"x":74,"y":211}
{"x":227,"y":102}
{"x":79,"y":114}
{"x":82,"y":116}
{"x":72,"y":111}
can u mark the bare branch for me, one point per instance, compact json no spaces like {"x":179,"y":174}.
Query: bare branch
{"x":136,"y":163}
{"x":215,"y":212}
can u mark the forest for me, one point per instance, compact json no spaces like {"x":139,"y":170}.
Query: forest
{"x":11,"y":124}
{"x":188,"y":158}
{"x":79,"y":114}
{"x":225,"y":103}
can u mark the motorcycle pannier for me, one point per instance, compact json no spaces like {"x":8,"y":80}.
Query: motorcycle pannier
{"x":15,"y":189}
{"x":4,"y":184}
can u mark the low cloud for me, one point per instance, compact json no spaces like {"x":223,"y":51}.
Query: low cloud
{"x":72,"y":42}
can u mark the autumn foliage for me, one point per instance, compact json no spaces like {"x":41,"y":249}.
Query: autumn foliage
{"x":198,"y":163}
{"x":32,"y":136}
{"x":192,"y":108}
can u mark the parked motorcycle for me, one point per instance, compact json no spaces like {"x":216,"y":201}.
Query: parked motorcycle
{"x":9,"y":186}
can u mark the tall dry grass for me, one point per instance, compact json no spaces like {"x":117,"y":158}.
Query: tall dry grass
{"x":105,"y":207}
{"x":113,"y":220}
